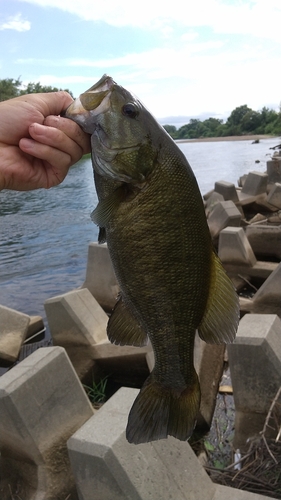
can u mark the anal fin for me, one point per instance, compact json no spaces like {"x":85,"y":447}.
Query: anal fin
{"x":123,"y":328}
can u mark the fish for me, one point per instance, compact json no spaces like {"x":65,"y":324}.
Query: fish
{"x":172,"y":283}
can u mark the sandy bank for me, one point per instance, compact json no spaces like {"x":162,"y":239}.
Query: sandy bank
{"x":228,"y":138}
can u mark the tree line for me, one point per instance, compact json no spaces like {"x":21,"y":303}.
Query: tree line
{"x":242,"y":120}
{"x":9,"y":88}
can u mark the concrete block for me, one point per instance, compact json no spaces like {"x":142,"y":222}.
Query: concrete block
{"x":268,"y":297}
{"x":261,"y":203}
{"x":208,"y":363}
{"x":265,"y":240}
{"x":125,"y":365}
{"x":273,"y":168}
{"x":77,"y":322}
{"x":255,"y":184}
{"x":212,"y":201}
{"x":107,"y":467}
{"x":258,"y":219}
{"x":255,"y":366}
{"x":100,"y":278}
{"x":223,"y":215}
{"x":235,"y":248}
{"x":227,"y":190}
{"x":13,"y":330}
{"x":257,"y":344}
{"x":274,"y":195}
{"x":42,"y":405}
{"x":275,"y":218}
{"x":226,"y":493}
{"x":36,"y":325}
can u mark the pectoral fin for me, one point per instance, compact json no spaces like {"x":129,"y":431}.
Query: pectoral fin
{"x":221,"y":318}
{"x":106,"y":208}
{"x":123,"y":328}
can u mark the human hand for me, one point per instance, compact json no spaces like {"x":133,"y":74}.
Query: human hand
{"x":37,"y":146}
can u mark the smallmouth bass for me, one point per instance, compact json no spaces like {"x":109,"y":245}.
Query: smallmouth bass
{"x":172,"y":283}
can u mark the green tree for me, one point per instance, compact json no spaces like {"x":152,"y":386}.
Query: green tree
{"x":171,"y":129}
{"x":35,"y":88}
{"x":268,"y":115}
{"x":213,"y":127}
{"x":242,"y":120}
{"x":194,"y":129}
{"x":251,"y":121}
{"x":237,"y":115}
{"x":234,"y":121}
{"x":9,"y":88}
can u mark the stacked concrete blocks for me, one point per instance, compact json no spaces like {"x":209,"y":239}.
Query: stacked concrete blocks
{"x":255,"y":365}
{"x":42,"y":403}
{"x":273,"y":168}
{"x":268,"y":297}
{"x":77,"y":322}
{"x":274,"y":195}
{"x":234,"y":247}
{"x":223,"y":215}
{"x":255,"y":184}
{"x":265,"y":240}
{"x":13,"y":330}
{"x":107,"y":467}
{"x":254,"y":190}
{"x":227,"y":190}
{"x":100,"y":278}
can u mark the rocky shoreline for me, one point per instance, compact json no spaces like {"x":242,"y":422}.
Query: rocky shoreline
{"x":53,"y":443}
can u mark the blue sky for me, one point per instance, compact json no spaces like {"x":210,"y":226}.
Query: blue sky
{"x":182,"y":59}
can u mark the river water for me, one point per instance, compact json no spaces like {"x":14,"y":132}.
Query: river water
{"x":44,"y":235}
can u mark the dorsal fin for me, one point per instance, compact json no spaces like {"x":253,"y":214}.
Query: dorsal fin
{"x":221,"y":318}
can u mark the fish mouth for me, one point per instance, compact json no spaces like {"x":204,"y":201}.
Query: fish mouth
{"x":93,"y":102}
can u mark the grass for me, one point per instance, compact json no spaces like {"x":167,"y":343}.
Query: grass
{"x":97,"y":391}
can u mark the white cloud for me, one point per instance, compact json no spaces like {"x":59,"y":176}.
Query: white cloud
{"x":15,"y":23}
{"x":187,"y":73}
{"x":256,"y":17}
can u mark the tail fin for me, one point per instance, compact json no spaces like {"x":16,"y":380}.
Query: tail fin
{"x":159,"y":411}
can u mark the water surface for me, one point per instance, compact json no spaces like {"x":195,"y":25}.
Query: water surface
{"x":44,"y":234}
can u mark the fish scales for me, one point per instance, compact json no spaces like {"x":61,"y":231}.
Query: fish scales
{"x":171,"y":281}
{"x":149,"y":234}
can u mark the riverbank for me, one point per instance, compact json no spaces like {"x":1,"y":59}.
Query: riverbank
{"x":250,"y":137}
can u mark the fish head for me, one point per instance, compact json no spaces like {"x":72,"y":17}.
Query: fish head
{"x":122,"y":138}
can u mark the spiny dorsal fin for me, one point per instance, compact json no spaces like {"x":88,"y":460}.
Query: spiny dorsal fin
{"x":123,"y":328}
{"x":221,"y":318}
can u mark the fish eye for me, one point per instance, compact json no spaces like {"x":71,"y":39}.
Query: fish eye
{"x":130,"y":110}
